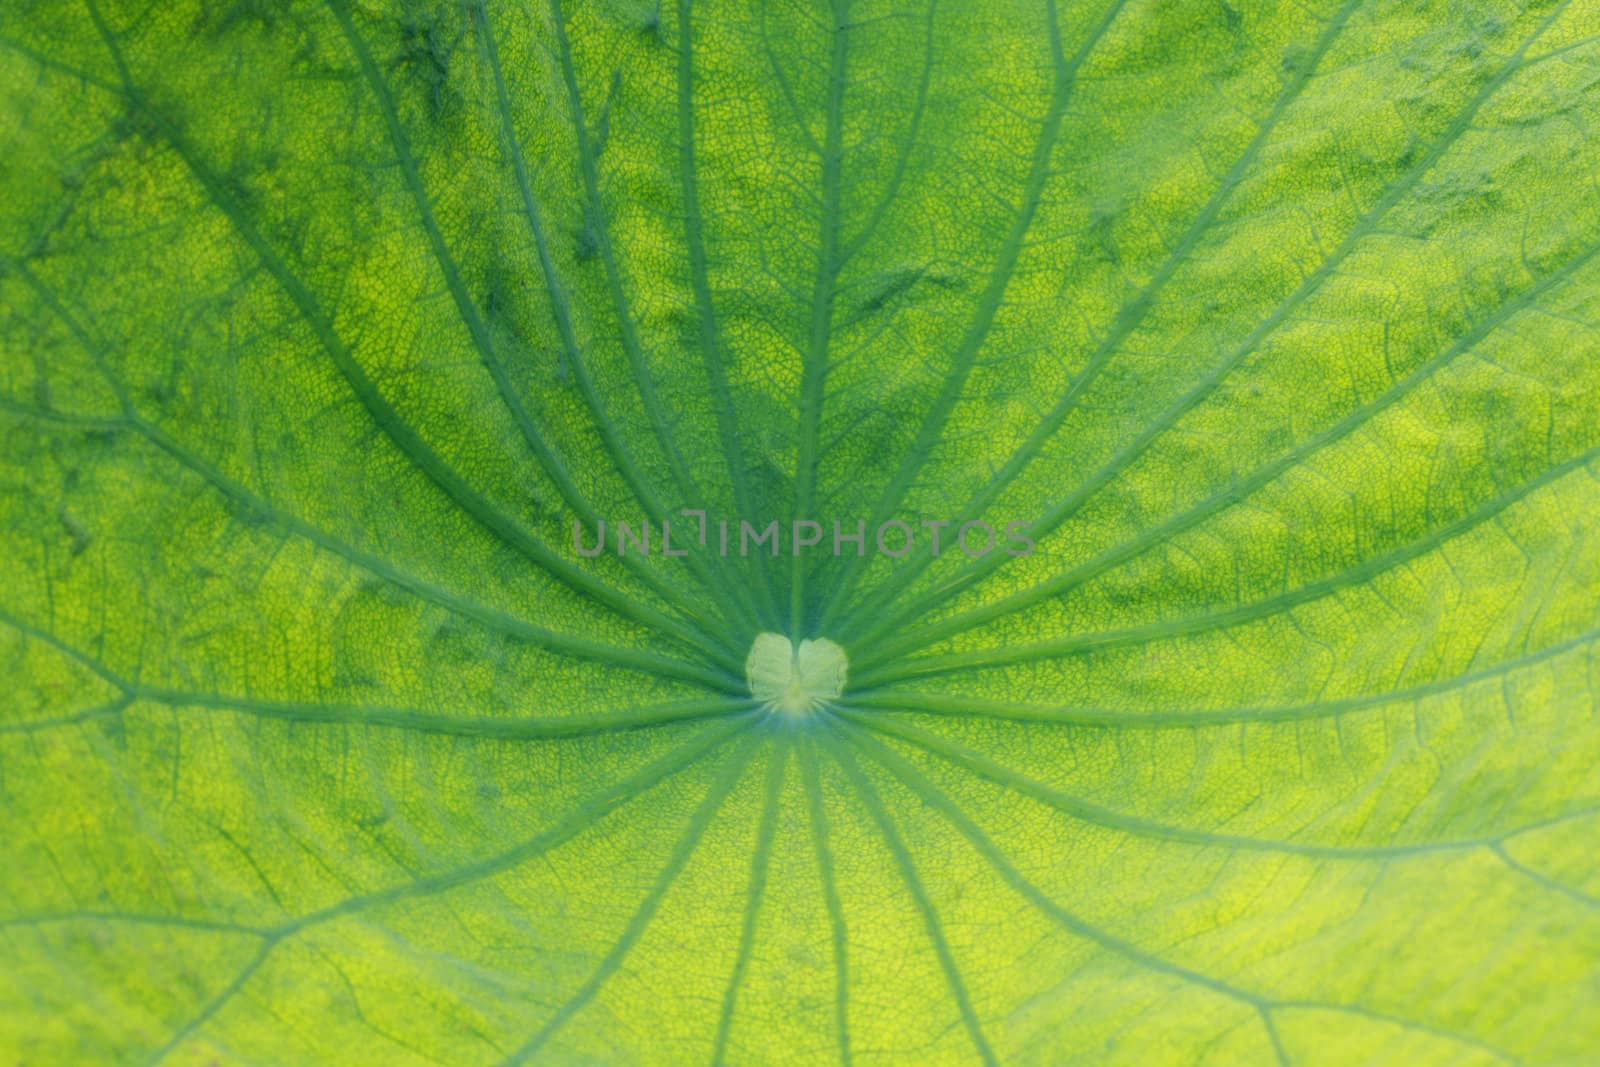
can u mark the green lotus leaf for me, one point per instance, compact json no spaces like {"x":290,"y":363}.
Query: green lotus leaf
{"x":945,"y":531}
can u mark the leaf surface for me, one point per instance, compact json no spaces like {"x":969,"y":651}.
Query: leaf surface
{"x":1273,"y":325}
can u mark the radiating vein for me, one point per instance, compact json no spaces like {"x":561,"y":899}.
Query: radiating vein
{"x":1163,"y":532}
{"x":531,"y":728}
{"x":1263,"y":1007}
{"x":179,"y":571}
{"x":479,"y":330}
{"x":902,"y":162}
{"x":466,"y":307}
{"x":570,"y":825}
{"x":713,"y":352}
{"x":627,"y":328}
{"x":384,"y":415}
{"x":491,"y":619}
{"x":560,"y":311}
{"x":1544,"y":880}
{"x":107,"y":710}
{"x":1127,"y":319}
{"x":839,"y":933}
{"x":1367,"y":225}
{"x":573,"y":823}
{"x":215,"y":1004}
{"x":181,"y":922}
{"x":699,"y":822}
{"x":755,"y":892}
{"x":1071,"y":715}
{"x":1357,"y":574}
{"x":814,"y":369}
{"x":962,"y":360}
{"x":1090,"y":813}
{"x":560,"y":307}
{"x":875,"y":808}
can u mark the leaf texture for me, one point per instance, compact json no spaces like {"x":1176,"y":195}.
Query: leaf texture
{"x":322,"y":324}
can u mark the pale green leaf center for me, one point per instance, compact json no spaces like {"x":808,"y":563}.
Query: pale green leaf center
{"x":795,"y":680}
